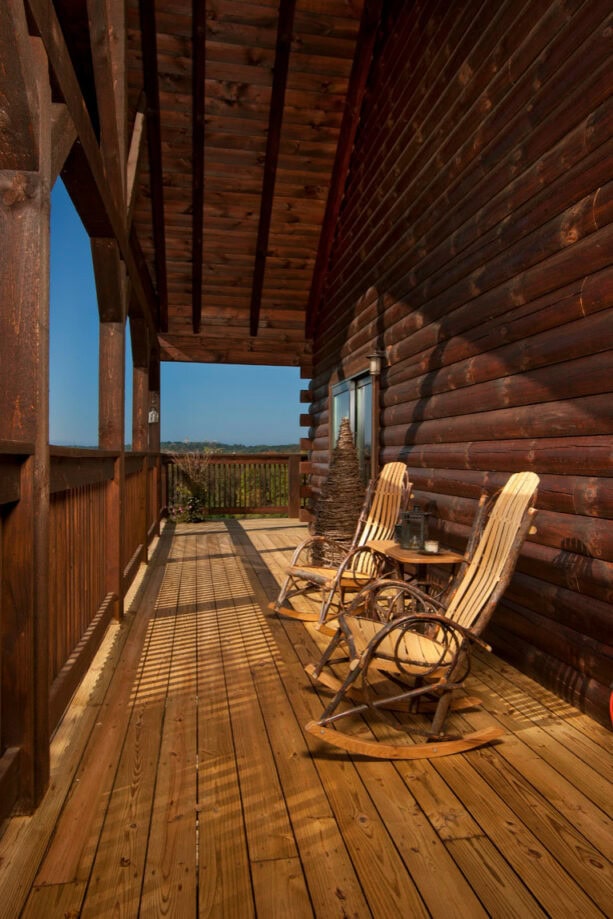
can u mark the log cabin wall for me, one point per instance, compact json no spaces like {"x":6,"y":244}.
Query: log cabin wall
{"x":474,"y":247}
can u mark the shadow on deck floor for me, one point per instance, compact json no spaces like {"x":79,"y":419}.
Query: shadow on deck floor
{"x":183,"y":784}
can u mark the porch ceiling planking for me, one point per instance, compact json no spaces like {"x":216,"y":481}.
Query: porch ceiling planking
{"x":236,"y":195}
{"x":268,"y":163}
{"x":284,"y":824}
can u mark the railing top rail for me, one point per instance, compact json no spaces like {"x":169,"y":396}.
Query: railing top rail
{"x":93,"y":452}
{"x":14,"y":448}
{"x":82,"y":452}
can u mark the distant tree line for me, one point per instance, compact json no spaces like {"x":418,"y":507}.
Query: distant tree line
{"x":211,"y":446}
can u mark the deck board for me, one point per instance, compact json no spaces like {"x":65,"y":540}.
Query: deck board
{"x":184,"y":783}
{"x":224,"y":875}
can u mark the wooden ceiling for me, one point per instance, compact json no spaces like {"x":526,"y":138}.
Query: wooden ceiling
{"x":250,"y":109}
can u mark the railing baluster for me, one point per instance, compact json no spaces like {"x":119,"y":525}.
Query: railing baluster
{"x":244,"y":484}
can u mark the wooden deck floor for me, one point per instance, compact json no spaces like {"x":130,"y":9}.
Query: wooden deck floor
{"x":183,"y":784}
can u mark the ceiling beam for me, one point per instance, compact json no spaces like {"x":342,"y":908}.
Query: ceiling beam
{"x":107,"y":40}
{"x":139,"y":342}
{"x":365,"y":43}
{"x":134,"y":158}
{"x":109,"y":280}
{"x":198,"y":78}
{"x":275,"y":120}
{"x":63,"y":136}
{"x":154,"y":147}
{"x":223,"y":349}
{"x":141,"y":265}
{"x":84,"y":170}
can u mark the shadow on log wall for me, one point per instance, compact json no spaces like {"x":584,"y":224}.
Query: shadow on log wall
{"x":474,"y":247}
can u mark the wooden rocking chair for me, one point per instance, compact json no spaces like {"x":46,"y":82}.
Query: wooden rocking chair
{"x":324,"y":570}
{"x":410,"y":652}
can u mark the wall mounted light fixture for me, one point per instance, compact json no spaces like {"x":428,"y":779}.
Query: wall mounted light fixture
{"x":375,"y":361}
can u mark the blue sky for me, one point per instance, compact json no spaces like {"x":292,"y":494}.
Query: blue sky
{"x":224,"y":403}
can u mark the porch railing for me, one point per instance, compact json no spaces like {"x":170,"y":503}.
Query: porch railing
{"x":104,"y":509}
{"x":238,"y":484}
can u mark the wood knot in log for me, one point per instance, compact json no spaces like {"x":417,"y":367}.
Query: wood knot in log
{"x":16,"y":188}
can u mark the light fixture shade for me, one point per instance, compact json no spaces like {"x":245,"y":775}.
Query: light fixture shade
{"x":374,"y":363}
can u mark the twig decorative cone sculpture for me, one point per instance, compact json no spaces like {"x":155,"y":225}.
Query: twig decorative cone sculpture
{"x":342,"y":495}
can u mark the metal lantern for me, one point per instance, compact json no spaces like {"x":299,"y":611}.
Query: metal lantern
{"x":414,"y":528}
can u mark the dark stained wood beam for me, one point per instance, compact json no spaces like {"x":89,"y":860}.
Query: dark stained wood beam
{"x":84,"y":171}
{"x":275,"y":120}
{"x":227,"y":349}
{"x":18,"y":137}
{"x":140,"y":337}
{"x":134,"y":158}
{"x":198,"y":77}
{"x":367,"y":36}
{"x":107,"y":273}
{"x":141,"y":265}
{"x":63,"y":136}
{"x":107,"y":39}
{"x":154,"y":147}
{"x":139,"y":342}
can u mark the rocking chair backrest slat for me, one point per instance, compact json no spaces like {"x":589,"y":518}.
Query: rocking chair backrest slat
{"x":497,"y":548}
{"x":389,"y":498}
{"x":390,"y":494}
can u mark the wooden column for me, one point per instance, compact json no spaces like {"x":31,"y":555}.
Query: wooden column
{"x":107,"y":40}
{"x":154,"y":404}
{"x":111,"y":291}
{"x":141,"y":355}
{"x":140,"y":441}
{"x":111,"y":436}
{"x":294,"y":486}
{"x":140,"y":409}
{"x":154,"y":430}
{"x":25,"y":156}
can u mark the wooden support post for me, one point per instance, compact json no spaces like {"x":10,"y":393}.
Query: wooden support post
{"x":111,"y":437}
{"x":140,"y":441}
{"x":111,"y":290}
{"x":293,"y":509}
{"x":154,"y":431}
{"x":140,"y":409}
{"x":24,"y":396}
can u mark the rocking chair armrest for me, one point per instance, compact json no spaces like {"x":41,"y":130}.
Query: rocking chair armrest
{"x":312,"y":541}
{"x":394,"y":585}
{"x":379,"y":561}
{"x":447,"y":624}
{"x":470,"y":634}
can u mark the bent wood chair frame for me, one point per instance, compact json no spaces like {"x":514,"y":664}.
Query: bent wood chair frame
{"x":406,"y":648}
{"x":345,"y":569}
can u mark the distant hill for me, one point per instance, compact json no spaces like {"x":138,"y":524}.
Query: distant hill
{"x":211,"y":446}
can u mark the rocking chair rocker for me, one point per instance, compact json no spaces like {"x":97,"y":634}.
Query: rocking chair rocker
{"x":326,"y":571}
{"x":407,"y":648}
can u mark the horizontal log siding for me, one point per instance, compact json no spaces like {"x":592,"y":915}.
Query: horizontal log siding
{"x":474,"y":246}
